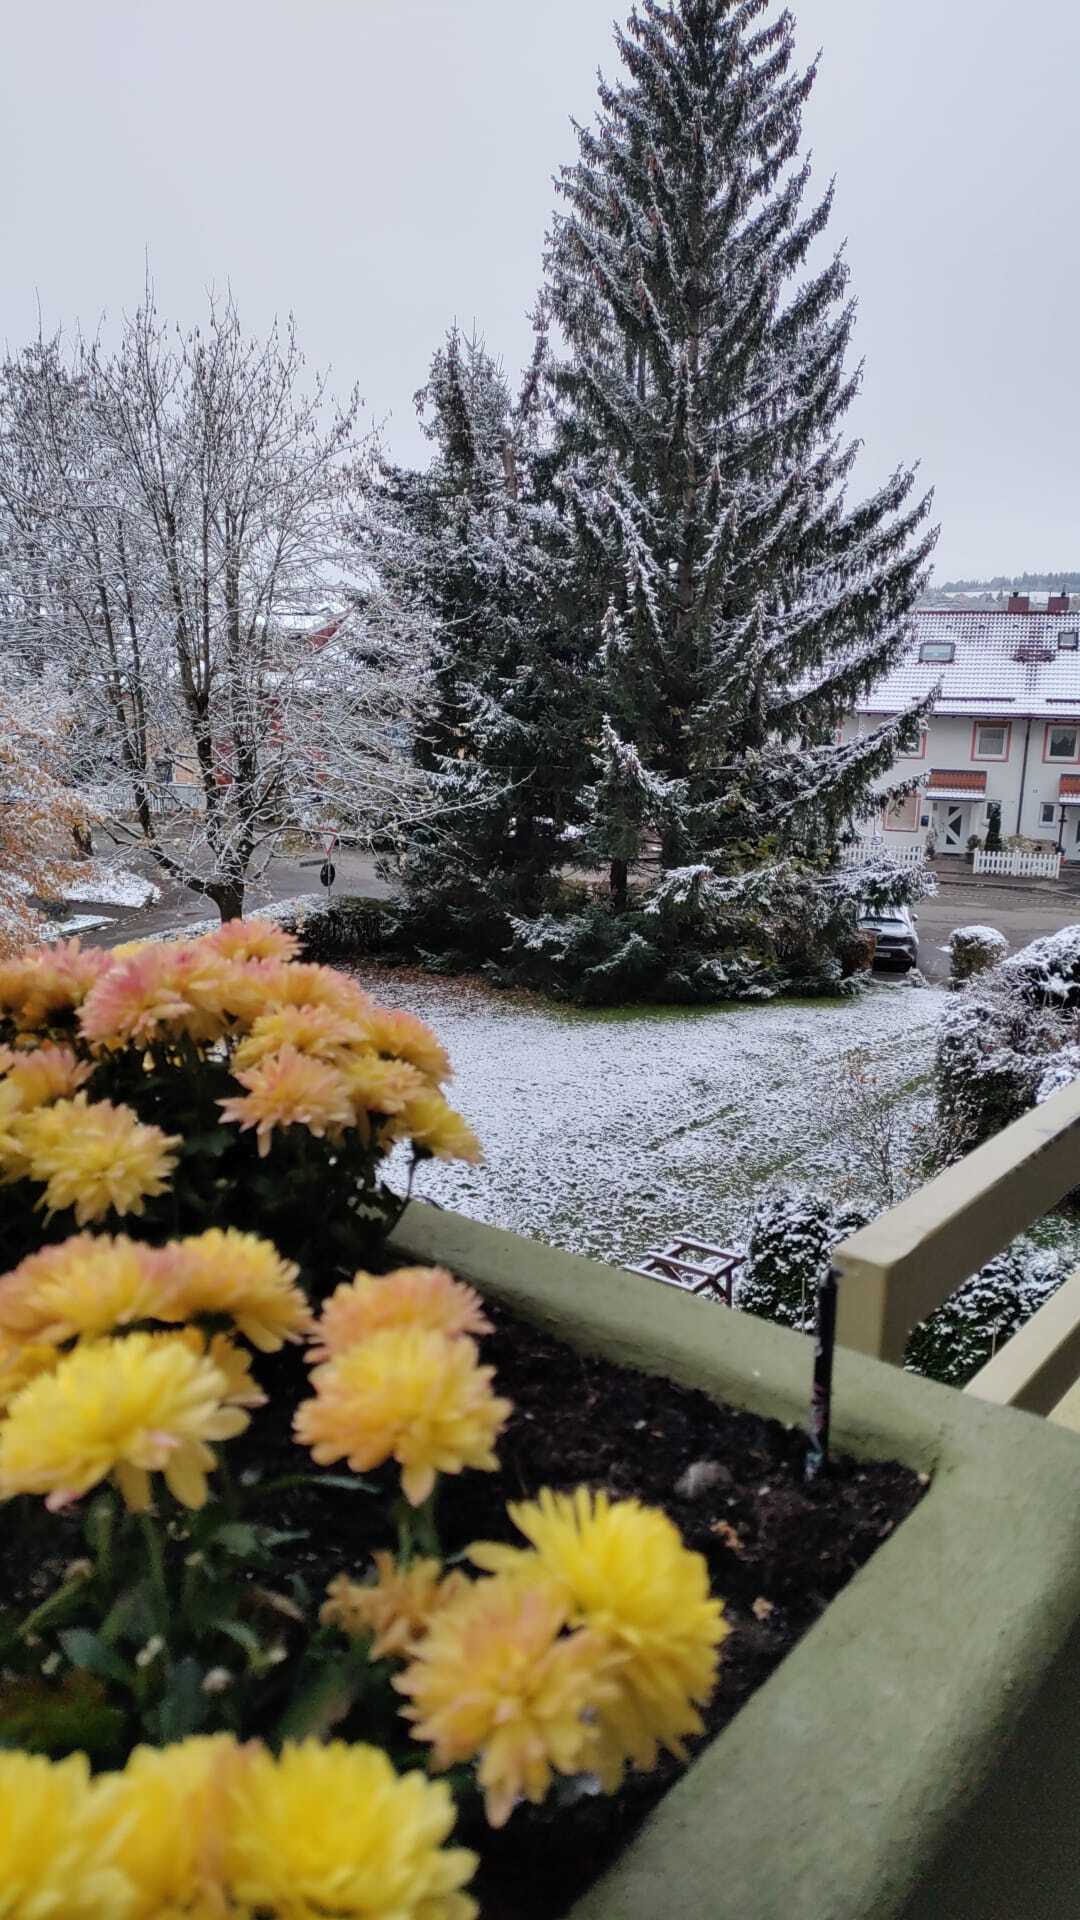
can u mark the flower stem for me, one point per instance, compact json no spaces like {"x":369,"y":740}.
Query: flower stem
{"x":155,"y":1560}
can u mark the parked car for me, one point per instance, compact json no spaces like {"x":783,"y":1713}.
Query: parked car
{"x":897,"y":938}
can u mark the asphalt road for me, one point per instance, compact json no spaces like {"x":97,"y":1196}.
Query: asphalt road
{"x":1021,"y":914}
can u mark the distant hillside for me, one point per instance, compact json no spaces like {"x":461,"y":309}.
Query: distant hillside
{"x":1015,"y":583}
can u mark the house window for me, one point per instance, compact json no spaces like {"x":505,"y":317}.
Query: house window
{"x":902,"y":816}
{"x":1061,"y":743}
{"x":944,"y":650}
{"x":1046,"y":814}
{"x":1068,"y":640}
{"x":913,"y":743}
{"x":990,"y":740}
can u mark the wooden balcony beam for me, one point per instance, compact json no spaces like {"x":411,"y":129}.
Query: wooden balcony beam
{"x":908,"y":1261}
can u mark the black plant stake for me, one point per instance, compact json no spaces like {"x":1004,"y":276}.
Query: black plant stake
{"x":817,"y":1458}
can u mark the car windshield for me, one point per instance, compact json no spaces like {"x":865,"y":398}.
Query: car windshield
{"x":883,"y":920}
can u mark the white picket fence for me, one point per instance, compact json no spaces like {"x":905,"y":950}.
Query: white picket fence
{"x":1015,"y":864}
{"x":878,"y":849}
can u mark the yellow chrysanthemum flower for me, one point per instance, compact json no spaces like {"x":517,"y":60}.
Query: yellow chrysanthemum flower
{"x":380,"y":1086}
{"x":432,"y":1124}
{"x":55,"y":1863}
{"x":404,"y":1037}
{"x":495,"y":1677}
{"x":622,"y":1571}
{"x":334,"y":1830}
{"x":89,"y":1285}
{"x":410,"y":1297}
{"x":289,"y":1089}
{"x":232,"y":1362}
{"x":322,"y":1032}
{"x":253,"y":940}
{"x":397,"y":1607}
{"x":304,"y":984}
{"x":21,"y":1362}
{"x":130,"y":1407}
{"x":43,"y":1074}
{"x":224,"y":1271}
{"x":95,"y":1157}
{"x":166,"y":1811}
{"x":408,"y":1395}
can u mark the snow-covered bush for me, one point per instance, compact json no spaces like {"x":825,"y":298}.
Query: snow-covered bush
{"x":974,"y":950}
{"x":788,"y":1252}
{"x":1008,"y":1040}
{"x":961,"y":1336}
{"x":785,"y":926}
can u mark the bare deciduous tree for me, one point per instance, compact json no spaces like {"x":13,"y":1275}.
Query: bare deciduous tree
{"x":172,"y":540}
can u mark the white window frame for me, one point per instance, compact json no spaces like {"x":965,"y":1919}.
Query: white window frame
{"x":1047,"y":813}
{"x":1004,"y":727}
{"x":1062,"y":759}
{"x":910,"y":801}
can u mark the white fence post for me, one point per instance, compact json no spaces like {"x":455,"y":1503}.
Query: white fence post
{"x":878,"y":849}
{"x":1015,"y":864}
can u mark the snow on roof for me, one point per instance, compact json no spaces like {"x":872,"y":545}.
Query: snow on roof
{"x":1002,"y":664}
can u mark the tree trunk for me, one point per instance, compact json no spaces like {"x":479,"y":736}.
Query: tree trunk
{"x":620,"y":875}
{"x":228,"y":897}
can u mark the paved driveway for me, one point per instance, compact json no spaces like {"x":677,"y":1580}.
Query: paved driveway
{"x":1019,"y":913}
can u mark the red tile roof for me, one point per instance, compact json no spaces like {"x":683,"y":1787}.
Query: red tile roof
{"x":965,"y":782}
{"x":1070,"y":784}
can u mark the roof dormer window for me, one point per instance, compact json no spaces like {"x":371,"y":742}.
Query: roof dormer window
{"x":943,"y":650}
{"x":1068,"y":640}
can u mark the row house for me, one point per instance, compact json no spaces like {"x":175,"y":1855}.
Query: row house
{"x":1005,"y":726}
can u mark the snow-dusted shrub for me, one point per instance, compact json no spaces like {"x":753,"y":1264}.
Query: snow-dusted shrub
{"x":974,"y":950}
{"x":961,"y":1336}
{"x":1006,"y":1041}
{"x":792,"y":1235}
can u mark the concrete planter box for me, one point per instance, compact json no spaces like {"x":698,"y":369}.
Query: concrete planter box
{"x":918,"y":1754}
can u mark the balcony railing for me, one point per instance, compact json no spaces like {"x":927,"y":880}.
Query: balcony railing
{"x":908,"y":1261}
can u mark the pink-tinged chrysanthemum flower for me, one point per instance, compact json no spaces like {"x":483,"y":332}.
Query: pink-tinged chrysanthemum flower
{"x":253,"y":940}
{"x":408,"y":1395}
{"x":404,"y":1037}
{"x":89,"y":1285}
{"x":41,"y":988}
{"x":131,"y":1407}
{"x":289,"y":1089}
{"x":495,"y":1678}
{"x":136,"y":1000}
{"x":238,"y":1276}
{"x":397,"y":1607}
{"x":411,"y":1297}
{"x":95,"y":1157}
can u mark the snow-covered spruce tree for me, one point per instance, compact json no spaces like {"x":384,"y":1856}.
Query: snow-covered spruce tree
{"x":741,"y":603}
{"x":469,"y":549}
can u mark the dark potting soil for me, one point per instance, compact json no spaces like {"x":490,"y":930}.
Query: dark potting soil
{"x":777,"y":1551}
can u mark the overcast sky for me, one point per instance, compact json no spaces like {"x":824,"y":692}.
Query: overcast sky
{"x":382,"y":166}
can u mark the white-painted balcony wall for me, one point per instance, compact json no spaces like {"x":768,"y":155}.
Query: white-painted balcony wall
{"x":1005,"y":727}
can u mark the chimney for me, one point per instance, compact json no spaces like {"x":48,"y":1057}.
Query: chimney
{"x":1019,"y":603}
{"x":1058,"y":603}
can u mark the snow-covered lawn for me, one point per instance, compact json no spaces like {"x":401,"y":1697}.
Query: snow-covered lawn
{"x":608,"y":1132}
{"x":113,"y":886}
